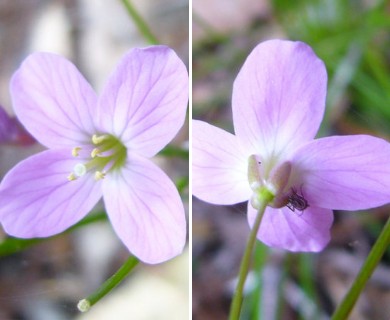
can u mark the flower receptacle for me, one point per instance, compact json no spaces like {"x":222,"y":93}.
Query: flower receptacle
{"x":269,"y":189}
{"x":262,"y":195}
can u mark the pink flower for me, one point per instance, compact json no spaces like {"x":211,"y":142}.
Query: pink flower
{"x":99,"y":146}
{"x":278,"y":104}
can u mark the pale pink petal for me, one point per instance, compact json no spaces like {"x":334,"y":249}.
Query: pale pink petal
{"x":146,"y":211}
{"x":53,"y":100}
{"x":294,"y":231}
{"x":219,"y":165}
{"x":146,"y":99}
{"x":344,"y":172}
{"x":37,"y":200}
{"x":279,"y":97}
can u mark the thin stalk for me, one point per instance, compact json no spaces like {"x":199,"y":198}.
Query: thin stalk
{"x":140,"y":22}
{"x":85,"y":304}
{"x":236,"y":305}
{"x":374,"y":257}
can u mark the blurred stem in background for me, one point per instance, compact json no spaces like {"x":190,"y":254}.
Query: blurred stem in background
{"x":142,"y":26}
{"x":11,"y":245}
{"x":260,"y":260}
{"x":365,"y":273}
{"x":172,"y":151}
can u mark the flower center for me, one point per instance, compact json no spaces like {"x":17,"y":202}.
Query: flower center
{"x":274,"y":179}
{"x":107,"y":153}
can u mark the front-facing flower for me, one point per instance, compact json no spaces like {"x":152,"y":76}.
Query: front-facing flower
{"x":278,"y":104}
{"x":99,"y":146}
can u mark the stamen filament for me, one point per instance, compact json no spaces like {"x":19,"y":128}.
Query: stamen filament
{"x":95,"y":152}
{"x":99,"y":175}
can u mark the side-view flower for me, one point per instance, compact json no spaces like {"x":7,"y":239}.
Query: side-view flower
{"x":278,"y":103}
{"x":99,"y":146}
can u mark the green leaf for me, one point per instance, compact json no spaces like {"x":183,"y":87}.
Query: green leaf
{"x":12,"y":245}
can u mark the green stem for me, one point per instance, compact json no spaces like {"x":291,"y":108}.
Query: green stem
{"x":235,"y":308}
{"x":140,"y":22}
{"x":85,"y":304}
{"x":11,"y":245}
{"x":366,"y":271}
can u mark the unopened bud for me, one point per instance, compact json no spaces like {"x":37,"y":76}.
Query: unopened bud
{"x":84,"y":305}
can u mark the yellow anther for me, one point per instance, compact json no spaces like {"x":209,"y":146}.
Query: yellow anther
{"x":95,"y":152}
{"x":75,"y":151}
{"x":98,"y":139}
{"x":99,"y":175}
{"x":72,"y":177}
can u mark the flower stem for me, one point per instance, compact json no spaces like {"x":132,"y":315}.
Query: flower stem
{"x":235,"y":308}
{"x":366,"y":271}
{"x":85,"y":304}
{"x":140,"y":22}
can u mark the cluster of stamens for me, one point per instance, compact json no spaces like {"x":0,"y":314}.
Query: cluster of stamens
{"x":108,"y":152}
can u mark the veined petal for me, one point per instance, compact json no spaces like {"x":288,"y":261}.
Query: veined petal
{"x":146,"y":211}
{"x":219,"y":165}
{"x":279,"y":96}
{"x":294,"y":231}
{"x":145,"y":100}
{"x":344,"y":172}
{"x":37,"y":200}
{"x":53,"y":100}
